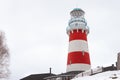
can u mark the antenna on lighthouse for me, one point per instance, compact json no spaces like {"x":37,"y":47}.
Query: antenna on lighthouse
{"x":76,"y":4}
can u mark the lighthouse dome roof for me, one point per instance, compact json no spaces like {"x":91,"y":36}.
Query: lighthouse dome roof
{"x":77,"y":12}
{"x":77,"y":9}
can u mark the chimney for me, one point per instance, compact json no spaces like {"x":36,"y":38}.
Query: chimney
{"x":50,"y":69}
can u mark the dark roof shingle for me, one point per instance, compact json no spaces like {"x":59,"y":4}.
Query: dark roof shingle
{"x":37,"y":76}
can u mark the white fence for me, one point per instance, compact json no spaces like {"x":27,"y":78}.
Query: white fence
{"x":90,"y":72}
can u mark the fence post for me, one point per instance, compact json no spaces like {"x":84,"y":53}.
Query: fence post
{"x":91,"y":72}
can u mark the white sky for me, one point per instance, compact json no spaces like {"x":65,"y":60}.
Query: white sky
{"x":36,"y":33}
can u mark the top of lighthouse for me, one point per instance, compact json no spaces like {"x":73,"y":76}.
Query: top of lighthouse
{"x":77,"y":12}
{"x":77,"y":21}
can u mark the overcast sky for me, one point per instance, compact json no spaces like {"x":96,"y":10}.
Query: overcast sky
{"x":36,"y":33}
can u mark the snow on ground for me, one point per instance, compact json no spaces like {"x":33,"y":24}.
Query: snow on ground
{"x":108,"y":75}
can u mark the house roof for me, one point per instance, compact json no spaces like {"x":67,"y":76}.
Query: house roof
{"x":72,"y":74}
{"x":37,"y":76}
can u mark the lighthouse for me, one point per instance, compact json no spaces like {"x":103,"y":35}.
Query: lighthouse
{"x":78,"y":53}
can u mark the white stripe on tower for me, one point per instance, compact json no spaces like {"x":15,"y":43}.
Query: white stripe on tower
{"x":78,"y":45}
{"x":78,"y":67}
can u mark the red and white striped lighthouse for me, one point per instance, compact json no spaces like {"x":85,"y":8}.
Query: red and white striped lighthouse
{"x":78,"y":53}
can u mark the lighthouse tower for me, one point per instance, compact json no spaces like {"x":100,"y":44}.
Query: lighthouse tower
{"x":78,"y":53}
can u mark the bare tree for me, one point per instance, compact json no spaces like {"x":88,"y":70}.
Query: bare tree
{"x":4,"y":58}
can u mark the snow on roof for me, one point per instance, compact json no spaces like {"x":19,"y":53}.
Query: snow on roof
{"x":108,"y":75}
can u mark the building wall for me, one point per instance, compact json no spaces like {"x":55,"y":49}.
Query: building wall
{"x":118,"y":61}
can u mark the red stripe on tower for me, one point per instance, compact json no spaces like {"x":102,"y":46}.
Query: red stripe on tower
{"x":77,"y":35}
{"x":78,"y":53}
{"x":78,"y":57}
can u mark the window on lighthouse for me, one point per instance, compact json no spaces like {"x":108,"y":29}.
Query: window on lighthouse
{"x":83,"y":53}
{"x":70,"y":62}
{"x":76,"y":24}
